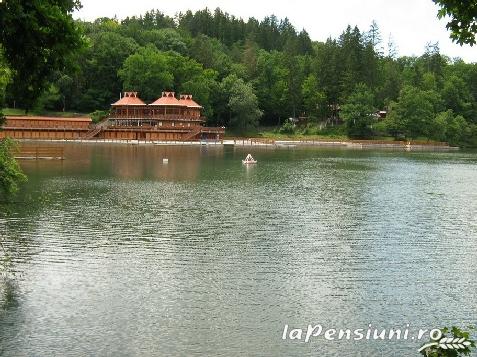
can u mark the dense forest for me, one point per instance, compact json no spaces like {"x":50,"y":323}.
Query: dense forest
{"x":260,"y":73}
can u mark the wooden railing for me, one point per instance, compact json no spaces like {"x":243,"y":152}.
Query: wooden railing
{"x":156,"y":117}
{"x":95,"y":129}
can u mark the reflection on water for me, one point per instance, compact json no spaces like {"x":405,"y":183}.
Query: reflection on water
{"x":8,"y":299}
{"x":120,"y":254}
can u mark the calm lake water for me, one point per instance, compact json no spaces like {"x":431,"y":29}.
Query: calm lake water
{"x":118,"y":254}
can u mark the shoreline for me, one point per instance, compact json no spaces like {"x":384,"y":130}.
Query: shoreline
{"x":288,"y":144}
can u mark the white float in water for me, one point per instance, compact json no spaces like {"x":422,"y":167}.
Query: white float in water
{"x":249,"y":160}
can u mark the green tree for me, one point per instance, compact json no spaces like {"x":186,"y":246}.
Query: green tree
{"x":389,"y":88}
{"x":203,"y":89}
{"x":148,"y":71}
{"x":438,"y":127}
{"x":414,"y":113}
{"x":271,"y":85}
{"x":11,"y":176}
{"x":358,"y":112}
{"x":457,"y":96}
{"x":374,"y":38}
{"x":105,"y":55}
{"x":314,"y":99}
{"x":65,"y":85}
{"x":211,"y":53}
{"x":38,"y":36}
{"x":164,"y":40}
{"x":5,"y":76}
{"x":48,"y":99}
{"x":242,"y":104}
{"x":463,"y":19}
{"x":457,"y":130}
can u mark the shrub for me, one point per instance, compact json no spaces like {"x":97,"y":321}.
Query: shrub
{"x":99,"y":115}
{"x":287,"y":128}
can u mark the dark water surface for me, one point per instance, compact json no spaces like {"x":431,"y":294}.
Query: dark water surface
{"x":117,"y":254}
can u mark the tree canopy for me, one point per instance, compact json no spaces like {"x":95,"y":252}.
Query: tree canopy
{"x":38,"y":37}
{"x":463,"y":19}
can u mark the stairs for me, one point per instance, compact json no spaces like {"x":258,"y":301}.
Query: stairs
{"x":95,"y":130}
{"x":191,"y":134}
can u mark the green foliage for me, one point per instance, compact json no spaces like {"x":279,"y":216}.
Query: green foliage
{"x":99,"y":115}
{"x":457,"y":96}
{"x":242,"y":104}
{"x":272,"y":86}
{"x":5,"y":76}
{"x":314,"y":99}
{"x":37,"y":37}
{"x":457,"y":131}
{"x":287,"y":128}
{"x":413,"y":115}
{"x":454,"y":332}
{"x":358,"y":112}
{"x":211,"y":54}
{"x":11,"y":175}
{"x":203,"y":86}
{"x":148,"y":71}
{"x":164,"y":39}
{"x":48,"y":99}
{"x":103,"y":58}
{"x":463,"y":19}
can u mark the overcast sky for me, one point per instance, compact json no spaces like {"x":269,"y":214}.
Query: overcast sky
{"x":412,"y":23}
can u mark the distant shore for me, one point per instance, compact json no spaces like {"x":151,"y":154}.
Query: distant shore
{"x":269,"y":143}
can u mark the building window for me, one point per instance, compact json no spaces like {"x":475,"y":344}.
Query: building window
{"x":173,"y":124}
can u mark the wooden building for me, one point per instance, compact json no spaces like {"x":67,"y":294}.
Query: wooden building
{"x":166,"y":119}
{"x":45,"y":128}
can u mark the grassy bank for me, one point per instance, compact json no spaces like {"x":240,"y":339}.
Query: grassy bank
{"x":310,"y":133}
{"x":275,"y":133}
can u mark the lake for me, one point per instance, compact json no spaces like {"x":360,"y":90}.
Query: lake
{"x":119,"y":254}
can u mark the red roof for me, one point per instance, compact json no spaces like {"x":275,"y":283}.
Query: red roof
{"x":186,"y":99}
{"x":129,"y":98}
{"x":167,"y":98}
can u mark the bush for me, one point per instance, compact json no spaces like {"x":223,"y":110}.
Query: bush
{"x":335,"y":130}
{"x":310,"y":129}
{"x":287,"y":128}
{"x":11,"y":176}
{"x":99,"y":115}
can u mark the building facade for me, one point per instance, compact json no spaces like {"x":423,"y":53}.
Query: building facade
{"x":166,"y":119}
{"x":45,"y":128}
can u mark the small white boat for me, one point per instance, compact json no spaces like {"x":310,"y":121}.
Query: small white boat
{"x":249,"y":160}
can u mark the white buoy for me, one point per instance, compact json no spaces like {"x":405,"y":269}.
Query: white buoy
{"x":249,"y":160}
{"x":165,"y":161}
